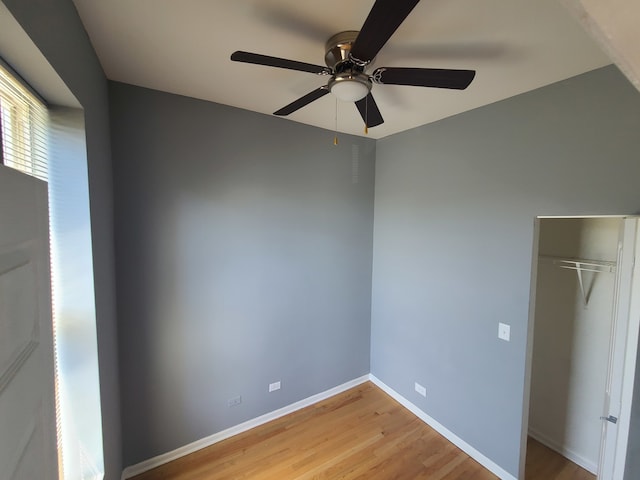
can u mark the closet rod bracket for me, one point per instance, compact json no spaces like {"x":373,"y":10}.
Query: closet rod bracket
{"x":581,"y":265}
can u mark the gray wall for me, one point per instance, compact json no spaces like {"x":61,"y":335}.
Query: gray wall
{"x":455,"y":203}
{"x":244,"y":250}
{"x":55,"y":27}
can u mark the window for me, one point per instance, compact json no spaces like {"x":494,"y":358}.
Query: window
{"x":24,"y":125}
{"x":48,"y":142}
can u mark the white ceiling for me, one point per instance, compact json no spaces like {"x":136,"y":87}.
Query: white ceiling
{"x":183,"y":47}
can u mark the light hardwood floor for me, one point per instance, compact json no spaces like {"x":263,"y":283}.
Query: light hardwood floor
{"x":542,"y":462}
{"x":359,"y":434}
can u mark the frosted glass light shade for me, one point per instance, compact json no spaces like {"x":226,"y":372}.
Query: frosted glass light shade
{"x":349,"y":90}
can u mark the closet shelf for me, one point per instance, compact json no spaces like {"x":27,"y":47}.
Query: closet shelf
{"x":580,"y":265}
{"x":597,"y":266}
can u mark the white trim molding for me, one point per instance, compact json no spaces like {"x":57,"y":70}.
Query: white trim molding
{"x":590,"y":465}
{"x":608,"y":24}
{"x":446,"y":433}
{"x":154,"y":462}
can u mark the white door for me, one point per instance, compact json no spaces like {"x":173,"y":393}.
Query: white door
{"x":27,"y":403}
{"x":622,"y":360}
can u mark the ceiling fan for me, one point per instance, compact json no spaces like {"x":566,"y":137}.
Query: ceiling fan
{"x":349,"y":53}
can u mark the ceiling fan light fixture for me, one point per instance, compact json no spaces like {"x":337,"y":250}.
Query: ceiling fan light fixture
{"x":350,"y":87}
{"x":348,"y":54}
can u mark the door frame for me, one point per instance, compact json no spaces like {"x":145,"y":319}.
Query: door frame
{"x":628,"y":319}
{"x":627,"y":334}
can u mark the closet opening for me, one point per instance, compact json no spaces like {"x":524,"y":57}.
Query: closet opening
{"x":582,"y":344}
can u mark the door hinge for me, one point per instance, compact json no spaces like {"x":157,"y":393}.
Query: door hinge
{"x":610,"y":418}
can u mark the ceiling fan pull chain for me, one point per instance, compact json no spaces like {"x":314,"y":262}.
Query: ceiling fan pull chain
{"x":335,"y":138}
{"x":366,"y":116}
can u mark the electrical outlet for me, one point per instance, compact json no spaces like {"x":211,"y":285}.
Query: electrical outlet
{"x":504,"y":332}
{"x":232,"y":402}
{"x":274,"y":386}
{"x":421,"y":390}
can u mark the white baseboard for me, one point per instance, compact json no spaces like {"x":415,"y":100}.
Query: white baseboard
{"x":154,"y":462}
{"x":579,"y":460}
{"x":452,"y":437}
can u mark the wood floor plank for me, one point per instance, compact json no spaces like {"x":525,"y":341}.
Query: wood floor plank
{"x":543,"y":462}
{"x":360,"y":434}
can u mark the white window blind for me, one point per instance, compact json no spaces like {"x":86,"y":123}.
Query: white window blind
{"x":24,"y":127}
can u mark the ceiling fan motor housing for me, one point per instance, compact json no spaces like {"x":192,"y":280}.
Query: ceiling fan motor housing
{"x":349,"y":82}
{"x":338,"y":47}
{"x":337,"y":50}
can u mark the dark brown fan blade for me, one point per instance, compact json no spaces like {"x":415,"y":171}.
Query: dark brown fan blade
{"x":384,"y":18}
{"x":424,"y":77}
{"x":369,"y":111}
{"x":303,"y":101}
{"x":258,"y":59}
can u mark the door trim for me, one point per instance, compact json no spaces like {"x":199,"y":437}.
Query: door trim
{"x":631,"y":313}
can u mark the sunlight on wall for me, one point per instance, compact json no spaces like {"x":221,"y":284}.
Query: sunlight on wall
{"x":73,"y":298}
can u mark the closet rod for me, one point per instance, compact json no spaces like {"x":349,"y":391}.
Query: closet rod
{"x":586,"y":265}
{"x":580,"y":265}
